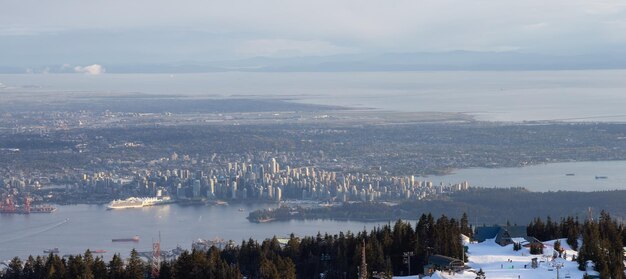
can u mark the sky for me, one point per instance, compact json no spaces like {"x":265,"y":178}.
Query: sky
{"x":78,"y":32}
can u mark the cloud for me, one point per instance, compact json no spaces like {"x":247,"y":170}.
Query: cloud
{"x":535,"y":26}
{"x":23,"y":30}
{"x":286,"y":47}
{"x":148,"y":31}
{"x":94,"y":69}
{"x":604,"y":7}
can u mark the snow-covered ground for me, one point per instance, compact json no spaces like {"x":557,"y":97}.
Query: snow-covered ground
{"x":502,"y":262}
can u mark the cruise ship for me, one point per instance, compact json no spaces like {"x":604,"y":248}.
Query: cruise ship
{"x":133,"y":202}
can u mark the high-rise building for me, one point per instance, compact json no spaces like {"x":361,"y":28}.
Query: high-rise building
{"x":274,"y":167}
{"x":196,"y":188}
{"x":279,"y":194}
{"x":211,"y":190}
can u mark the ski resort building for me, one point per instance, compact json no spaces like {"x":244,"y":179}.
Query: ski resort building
{"x":504,"y":235}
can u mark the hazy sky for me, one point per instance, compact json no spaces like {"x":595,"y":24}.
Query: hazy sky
{"x":140,"y":31}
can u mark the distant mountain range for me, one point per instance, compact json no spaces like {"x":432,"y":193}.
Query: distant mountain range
{"x":443,"y":61}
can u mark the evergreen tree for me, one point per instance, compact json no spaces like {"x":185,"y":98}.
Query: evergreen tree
{"x":183,"y":266}
{"x":465,"y":228}
{"x":292,"y":249}
{"x":135,"y":268}
{"x":165,"y":271}
{"x":15,"y":269}
{"x":536,"y":248}
{"x":76,"y":268}
{"x":572,"y":232}
{"x":29,"y":268}
{"x":116,"y":267}
{"x":55,"y":267}
{"x":89,"y":262}
{"x":286,"y":268}
{"x":99,"y":269}
{"x":39,"y":268}
{"x":268,"y":270}
{"x":557,"y":246}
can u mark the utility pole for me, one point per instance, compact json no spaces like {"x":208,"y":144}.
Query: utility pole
{"x":558,"y":267}
{"x":407,"y":259}
{"x":363,"y":267}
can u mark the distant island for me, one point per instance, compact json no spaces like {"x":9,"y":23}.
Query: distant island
{"x":486,"y":205}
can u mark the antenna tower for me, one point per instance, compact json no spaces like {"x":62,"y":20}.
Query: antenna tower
{"x":156,"y":257}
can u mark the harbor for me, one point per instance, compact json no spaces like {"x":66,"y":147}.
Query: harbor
{"x":8,"y":205}
{"x":75,"y":228}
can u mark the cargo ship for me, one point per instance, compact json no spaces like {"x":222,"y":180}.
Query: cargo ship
{"x":219,"y":202}
{"x":8,"y":206}
{"x":133,"y":202}
{"x":132,"y":239}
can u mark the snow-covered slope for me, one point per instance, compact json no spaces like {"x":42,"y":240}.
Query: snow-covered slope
{"x":502,"y":262}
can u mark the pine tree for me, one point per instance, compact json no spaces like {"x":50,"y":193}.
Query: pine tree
{"x":89,"y":262}
{"x":116,"y":267}
{"x":99,"y":269}
{"x":557,"y":246}
{"x":165,"y":271}
{"x":55,"y":267}
{"x":29,"y":268}
{"x":268,"y":270}
{"x":183,"y":266}
{"x":15,"y":269}
{"x":536,"y":248}
{"x":39,"y":268}
{"x":135,"y":268}
{"x":465,"y":228}
{"x":76,"y":268}
{"x":292,"y":249}
{"x":286,"y":268}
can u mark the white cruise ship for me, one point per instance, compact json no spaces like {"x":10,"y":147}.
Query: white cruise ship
{"x":137,"y":202}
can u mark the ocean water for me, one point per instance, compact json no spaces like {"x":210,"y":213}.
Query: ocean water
{"x":596,"y":95}
{"x":545,"y":177}
{"x":76,"y":228}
